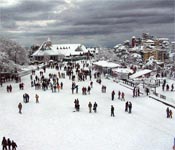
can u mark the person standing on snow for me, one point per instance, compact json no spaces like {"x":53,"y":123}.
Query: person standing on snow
{"x":119,"y":93}
{"x":167,"y":112}
{"x":130,"y":107}
{"x":9,"y":144}
{"x":172,"y":87}
{"x":112,"y":95}
{"x":123,"y":96}
{"x":126,"y":106}
{"x":20,"y":108}
{"x":37,"y":98}
{"x":170,"y":114}
{"x":95,"y":107}
{"x":112,"y":111}
{"x":61,"y":85}
{"x":4,"y":144}
{"x":13,"y":145}
{"x":90,"y":107}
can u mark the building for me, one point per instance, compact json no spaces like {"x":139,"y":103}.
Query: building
{"x":158,"y":54}
{"x":173,"y":47}
{"x":48,"y":51}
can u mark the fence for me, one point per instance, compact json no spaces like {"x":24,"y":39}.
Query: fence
{"x":164,"y":97}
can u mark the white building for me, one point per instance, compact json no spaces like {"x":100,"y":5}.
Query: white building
{"x":48,"y":51}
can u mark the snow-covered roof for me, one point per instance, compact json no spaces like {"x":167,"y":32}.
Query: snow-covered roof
{"x":140,"y":73}
{"x":122,"y":70}
{"x":149,"y":41}
{"x":106,"y":64}
{"x":61,"y":49}
{"x":163,"y":39}
{"x":135,"y":55}
{"x":117,"y":46}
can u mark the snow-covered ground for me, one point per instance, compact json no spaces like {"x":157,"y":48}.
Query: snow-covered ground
{"x":53,"y":125}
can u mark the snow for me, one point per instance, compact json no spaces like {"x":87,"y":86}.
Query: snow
{"x":52,"y":124}
{"x":122,"y":70}
{"x":106,"y":64}
{"x":140,"y":73}
{"x":135,"y":55}
{"x":149,"y":41}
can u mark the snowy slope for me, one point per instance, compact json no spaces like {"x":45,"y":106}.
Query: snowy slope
{"x":52,"y":124}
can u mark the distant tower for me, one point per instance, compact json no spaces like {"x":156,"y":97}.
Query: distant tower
{"x":48,"y":43}
{"x":133,"y":43}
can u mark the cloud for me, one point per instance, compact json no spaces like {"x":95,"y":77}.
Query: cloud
{"x":117,"y":20}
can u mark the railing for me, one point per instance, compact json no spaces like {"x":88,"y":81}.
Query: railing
{"x":163,"y":97}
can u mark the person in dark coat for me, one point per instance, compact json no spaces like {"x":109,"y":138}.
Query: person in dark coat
{"x":9,"y":143}
{"x":134,"y":90}
{"x":10,"y":88}
{"x":77,"y":105}
{"x":138,"y":90}
{"x":61,"y":85}
{"x":27,"y":97}
{"x":147,"y":91}
{"x":89,"y":89}
{"x":90,"y":107}
{"x":130,"y":107}
{"x":170,"y":114}
{"x":112,"y":111}
{"x":172,"y":87}
{"x":119,"y":93}
{"x":13,"y":145}
{"x":95,"y":107}
{"x":4,"y":144}
{"x":20,"y":108}
{"x":112,"y":95}
{"x":167,"y":87}
{"x":37,"y":98}
{"x":167,"y":112}
{"x":126,"y":106}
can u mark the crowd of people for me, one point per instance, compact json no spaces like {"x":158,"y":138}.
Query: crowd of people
{"x":52,"y":82}
{"x":8,"y":144}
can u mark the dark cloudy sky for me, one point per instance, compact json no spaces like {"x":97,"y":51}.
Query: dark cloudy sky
{"x":91,"y":22}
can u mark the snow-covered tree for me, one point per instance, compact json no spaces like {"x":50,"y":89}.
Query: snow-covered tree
{"x":11,"y":55}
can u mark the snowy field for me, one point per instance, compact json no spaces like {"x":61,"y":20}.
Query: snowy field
{"x":53,"y":125}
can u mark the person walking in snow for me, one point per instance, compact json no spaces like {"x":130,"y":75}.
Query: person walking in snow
{"x":119,"y":93}
{"x":112,"y":95}
{"x":88,"y":89}
{"x":4,"y":144}
{"x":170,"y":114}
{"x":77,"y":105}
{"x":20,"y":108}
{"x":172,"y":87}
{"x":37,"y":98}
{"x":95,"y":107}
{"x":167,"y":112}
{"x":91,"y":84}
{"x":130,"y":107}
{"x":123,"y":96}
{"x":112,"y":111}
{"x":147,"y":91}
{"x":138,"y":91}
{"x":126,"y":106}
{"x":61,"y":85}
{"x":167,"y":87}
{"x":90,"y":107}
{"x":163,"y":87}
{"x":9,"y":144}
{"x":14,"y":146}
{"x":134,"y":90}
